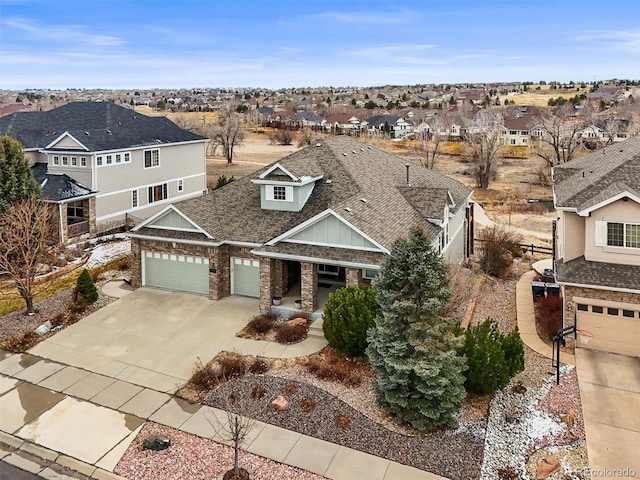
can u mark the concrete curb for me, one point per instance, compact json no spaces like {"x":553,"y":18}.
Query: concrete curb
{"x":47,"y":463}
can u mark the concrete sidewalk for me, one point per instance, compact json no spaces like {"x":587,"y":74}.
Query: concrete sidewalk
{"x":526,"y":316}
{"x":55,"y":413}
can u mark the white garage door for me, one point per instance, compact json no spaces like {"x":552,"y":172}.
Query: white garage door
{"x":183,"y":273}
{"x":245,"y":277}
{"x":614,"y":329}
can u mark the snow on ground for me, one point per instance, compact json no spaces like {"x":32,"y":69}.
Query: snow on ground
{"x":105,"y":252}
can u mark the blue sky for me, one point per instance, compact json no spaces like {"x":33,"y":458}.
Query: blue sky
{"x":299,"y":43}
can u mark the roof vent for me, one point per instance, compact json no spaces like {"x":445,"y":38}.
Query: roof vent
{"x":318,"y":144}
{"x":348,"y":210}
{"x":353,"y":151}
{"x":369,"y":147}
{"x":86,"y":133}
{"x":362,"y":149}
{"x":344,"y":153}
{"x":109,"y":131}
{"x":329,"y":181}
{"x":363,"y":200}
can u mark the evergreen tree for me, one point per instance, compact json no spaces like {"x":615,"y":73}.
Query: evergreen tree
{"x":16,"y":178}
{"x":412,"y":347}
{"x":86,"y":288}
{"x":348,"y":314}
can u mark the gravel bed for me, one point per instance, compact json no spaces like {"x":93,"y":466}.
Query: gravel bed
{"x":456,"y":454}
{"x":190,"y":457}
{"x":524,"y":426}
{"x":19,"y":322}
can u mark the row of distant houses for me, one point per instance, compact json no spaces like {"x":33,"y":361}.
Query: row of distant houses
{"x":517,"y":130}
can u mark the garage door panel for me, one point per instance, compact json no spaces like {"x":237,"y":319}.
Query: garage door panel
{"x":611,"y":333}
{"x":245,"y":277}
{"x":183,"y":273}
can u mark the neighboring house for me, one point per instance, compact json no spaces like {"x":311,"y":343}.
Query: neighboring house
{"x":307,"y":119}
{"x":396,"y":127}
{"x":598,"y":245}
{"x":108,"y":162}
{"x":516,"y":131}
{"x":343,"y":124}
{"x":332,"y":210}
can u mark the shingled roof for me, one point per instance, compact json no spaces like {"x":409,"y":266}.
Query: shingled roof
{"x":58,"y":188}
{"x":98,"y":126}
{"x":594,"y":178}
{"x":365,"y":186}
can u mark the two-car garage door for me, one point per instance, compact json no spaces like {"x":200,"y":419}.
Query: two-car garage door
{"x":614,"y":330}
{"x":183,"y":273}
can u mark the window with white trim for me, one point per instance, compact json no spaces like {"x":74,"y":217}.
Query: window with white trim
{"x":279,"y":192}
{"x":99,"y":160}
{"x":83,"y":161}
{"x":65,"y":160}
{"x":118,"y":158}
{"x":370,"y":273}
{"x":151,"y":158}
{"x":127,"y":157}
{"x":617,"y":234}
{"x":157,"y":193}
{"x":134,"y":198}
{"x":109,"y":159}
{"x":180,"y":185}
{"x":74,"y":161}
{"x":56,"y":160}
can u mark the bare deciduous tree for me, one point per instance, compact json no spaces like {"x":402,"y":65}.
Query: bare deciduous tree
{"x":560,"y":137}
{"x":27,"y":232}
{"x":235,"y":423}
{"x":483,"y":142}
{"x":228,"y":131}
{"x":306,"y":136}
{"x":432,"y":141}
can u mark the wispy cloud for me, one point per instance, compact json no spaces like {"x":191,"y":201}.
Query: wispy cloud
{"x":621,"y":40}
{"x":62,"y":33}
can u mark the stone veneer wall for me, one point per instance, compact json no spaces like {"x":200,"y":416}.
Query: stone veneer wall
{"x":267,"y":282}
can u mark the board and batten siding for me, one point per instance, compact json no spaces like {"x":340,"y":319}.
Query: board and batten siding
{"x":294,"y":203}
{"x":331,"y":231}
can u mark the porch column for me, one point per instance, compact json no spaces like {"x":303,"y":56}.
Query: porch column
{"x":281,"y":278}
{"x":309,"y":286}
{"x":267,"y":282}
{"x":91,"y":203}
{"x":353,"y":277}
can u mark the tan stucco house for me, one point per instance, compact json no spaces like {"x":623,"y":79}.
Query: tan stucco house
{"x":598,"y":245}
{"x":322,"y":216}
{"x":103,"y":164}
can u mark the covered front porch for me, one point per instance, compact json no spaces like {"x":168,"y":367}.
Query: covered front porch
{"x":304,"y":283}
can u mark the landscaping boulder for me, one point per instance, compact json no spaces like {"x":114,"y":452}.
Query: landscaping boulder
{"x":280,"y":403}
{"x":548,"y":466}
{"x":297,"y":322}
{"x":156,"y":442}
{"x":43,"y":329}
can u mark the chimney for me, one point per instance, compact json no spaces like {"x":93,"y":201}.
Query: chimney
{"x":407,"y":165}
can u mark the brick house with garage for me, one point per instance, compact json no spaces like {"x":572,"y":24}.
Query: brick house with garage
{"x":320,"y":218}
{"x":597,"y":198}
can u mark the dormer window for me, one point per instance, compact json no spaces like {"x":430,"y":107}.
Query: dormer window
{"x":279,"y":193}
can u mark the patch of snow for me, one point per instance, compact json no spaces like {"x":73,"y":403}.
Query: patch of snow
{"x":540,"y":425}
{"x":105,"y":252}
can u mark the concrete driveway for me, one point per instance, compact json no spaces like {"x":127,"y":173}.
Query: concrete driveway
{"x":153,"y":338}
{"x":610,"y":394}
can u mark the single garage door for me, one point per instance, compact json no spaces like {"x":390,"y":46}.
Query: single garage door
{"x":245,"y":277}
{"x":614,"y":329}
{"x":183,"y":273}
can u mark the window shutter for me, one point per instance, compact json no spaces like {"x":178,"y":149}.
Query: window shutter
{"x":150,"y":197}
{"x":269,"y":192}
{"x":601,"y":233}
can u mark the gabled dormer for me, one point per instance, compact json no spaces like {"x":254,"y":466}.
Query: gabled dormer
{"x":280,"y":189}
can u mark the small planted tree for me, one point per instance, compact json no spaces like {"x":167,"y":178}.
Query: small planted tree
{"x":499,"y":247}
{"x":85,"y":287}
{"x":492,"y":357}
{"x":412,"y":347}
{"x":348,"y":314}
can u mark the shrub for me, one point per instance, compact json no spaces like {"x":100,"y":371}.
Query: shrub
{"x":291,"y":333}
{"x":203,"y":378}
{"x":289,"y":389}
{"x":232,"y":365}
{"x":85,"y":287}
{"x":341,"y":421}
{"x":492,"y":357}
{"x":498,"y":249}
{"x":259,"y":366}
{"x":307,"y":405}
{"x":548,"y":316}
{"x":348,"y":314}
{"x":261,"y":324}
{"x":338,"y":370}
